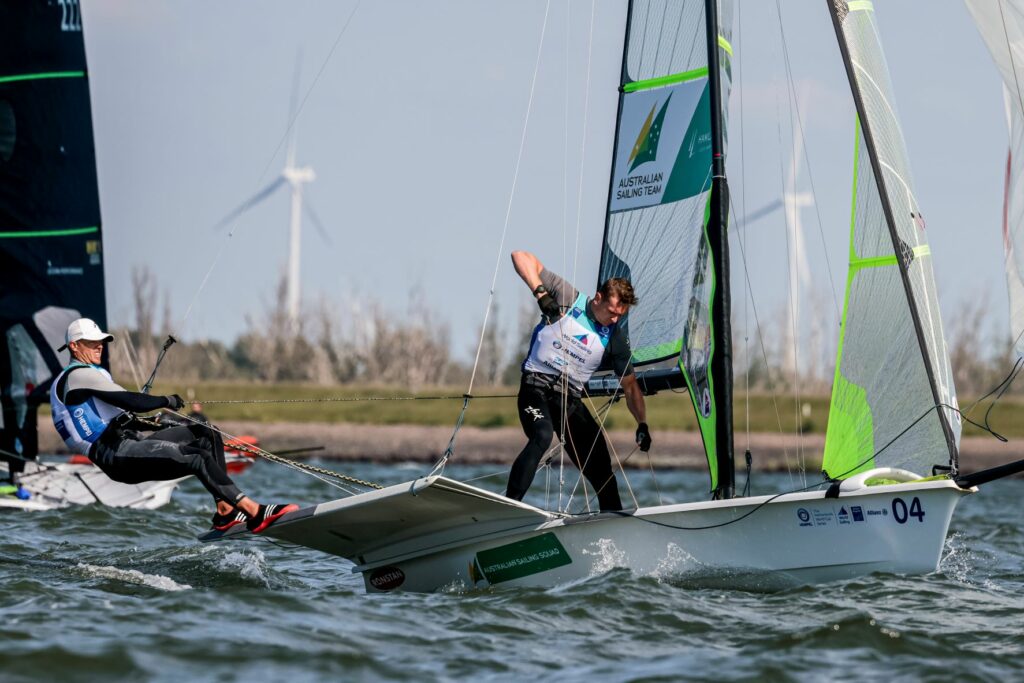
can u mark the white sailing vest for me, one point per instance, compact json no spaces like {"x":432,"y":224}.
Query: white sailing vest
{"x":573,"y":345}
{"x":81,"y":426}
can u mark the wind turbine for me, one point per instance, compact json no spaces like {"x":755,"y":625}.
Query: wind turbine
{"x":295,"y":177}
{"x":799,"y":269}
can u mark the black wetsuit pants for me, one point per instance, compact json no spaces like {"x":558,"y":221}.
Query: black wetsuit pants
{"x":540,"y":413}
{"x":168,"y":453}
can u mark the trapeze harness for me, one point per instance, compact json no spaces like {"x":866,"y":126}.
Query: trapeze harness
{"x":168,"y":454}
{"x":573,"y":345}
{"x":81,"y":426}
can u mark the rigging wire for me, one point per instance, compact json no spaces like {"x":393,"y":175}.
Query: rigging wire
{"x":305,"y":468}
{"x":511,"y":197}
{"x":806,"y":154}
{"x":792,"y":299}
{"x":764,"y":352}
{"x":346,"y":399}
{"x":742,"y":237}
{"x":263,"y":173}
{"x":443,"y":461}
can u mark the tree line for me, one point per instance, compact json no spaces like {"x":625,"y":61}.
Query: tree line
{"x":369,"y":345}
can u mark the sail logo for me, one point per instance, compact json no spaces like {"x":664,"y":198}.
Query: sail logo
{"x":662,"y":152}
{"x":844,"y":516}
{"x":646,"y":146}
{"x":645,"y":149}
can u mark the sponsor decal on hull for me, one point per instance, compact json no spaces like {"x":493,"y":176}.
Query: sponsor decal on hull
{"x":387,"y":578}
{"x":522,"y":558}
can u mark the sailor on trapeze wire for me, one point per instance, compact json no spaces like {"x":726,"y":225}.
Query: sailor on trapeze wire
{"x":96,"y":416}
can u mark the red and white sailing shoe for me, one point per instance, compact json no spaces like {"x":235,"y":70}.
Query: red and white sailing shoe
{"x":268,"y":514}
{"x":225,"y":522}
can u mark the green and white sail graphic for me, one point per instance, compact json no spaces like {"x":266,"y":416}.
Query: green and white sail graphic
{"x":660,"y":190}
{"x":893,"y":375}
{"x":646,"y":147}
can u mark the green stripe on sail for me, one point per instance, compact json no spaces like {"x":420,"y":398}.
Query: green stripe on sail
{"x":707,"y":425}
{"x":41,"y":76}
{"x":662,"y":81}
{"x":862,"y":6}
{"x":876,"y":261}
{"x":725,"y":45}
{"x":649,"y":353}
{"x":50,"y":233}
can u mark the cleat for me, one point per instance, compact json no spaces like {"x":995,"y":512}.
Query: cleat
{"x":267,"y":515}
{"x":224,"y":522}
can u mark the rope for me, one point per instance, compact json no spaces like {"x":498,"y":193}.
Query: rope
{"x":266,"y":455}
{"x":345,"y":399}
{"x":511,"y":198}
{"x":439,"y":467}
{"x":263,"y":173}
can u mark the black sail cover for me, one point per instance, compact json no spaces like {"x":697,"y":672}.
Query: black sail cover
{"x":51,"y":260}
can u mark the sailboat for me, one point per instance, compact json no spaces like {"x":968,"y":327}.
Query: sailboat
{"x":891,"y":472}
{"x":51,"y":246}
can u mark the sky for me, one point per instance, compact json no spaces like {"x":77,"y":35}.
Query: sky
{"x":413,"y":116}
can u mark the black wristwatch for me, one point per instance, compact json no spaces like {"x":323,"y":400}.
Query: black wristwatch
{"x":540,"y":289}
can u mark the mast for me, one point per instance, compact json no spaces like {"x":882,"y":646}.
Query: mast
{"x":718,"y":239}
{"x":887,"y":209}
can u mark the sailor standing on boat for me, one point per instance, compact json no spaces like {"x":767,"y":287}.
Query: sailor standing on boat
{"x":94,"y":415}
{"x":576,"y":337}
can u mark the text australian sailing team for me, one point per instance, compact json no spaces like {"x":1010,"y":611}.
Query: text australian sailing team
{"x":576,"y":337}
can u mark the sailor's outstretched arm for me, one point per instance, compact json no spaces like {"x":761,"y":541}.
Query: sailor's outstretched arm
{"x":85,"y":384}
{"x":528,"y":267}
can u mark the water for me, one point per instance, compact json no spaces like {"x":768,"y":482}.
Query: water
{"x":104,"y":594}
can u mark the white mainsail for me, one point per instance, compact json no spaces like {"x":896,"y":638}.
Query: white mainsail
{"x":893,"y":389}
{"x":1001,"y":24}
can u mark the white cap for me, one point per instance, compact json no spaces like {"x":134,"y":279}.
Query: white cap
{"x":84,"y":328}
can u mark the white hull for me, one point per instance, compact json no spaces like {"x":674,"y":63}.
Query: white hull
{"x":60,"y":485}
{"x":435,"y":534}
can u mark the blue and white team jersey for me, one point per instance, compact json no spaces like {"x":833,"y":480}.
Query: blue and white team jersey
{"x":573,"y":345}
{"x":80,"y":426}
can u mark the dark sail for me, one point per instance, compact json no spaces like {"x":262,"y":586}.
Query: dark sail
{"x":51,"y":258}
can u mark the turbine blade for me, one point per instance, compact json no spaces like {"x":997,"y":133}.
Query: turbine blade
{"x":765,"y":210}
{"x":316,"y":221}
{"x":251,"y":202}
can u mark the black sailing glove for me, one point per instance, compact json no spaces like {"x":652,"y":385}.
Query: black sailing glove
{"x":175,"y":402}
{"x":643,"y":437}
{"x":549,"y":308}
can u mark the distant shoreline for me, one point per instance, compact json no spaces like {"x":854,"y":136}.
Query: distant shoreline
{"x":500,"y":445}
